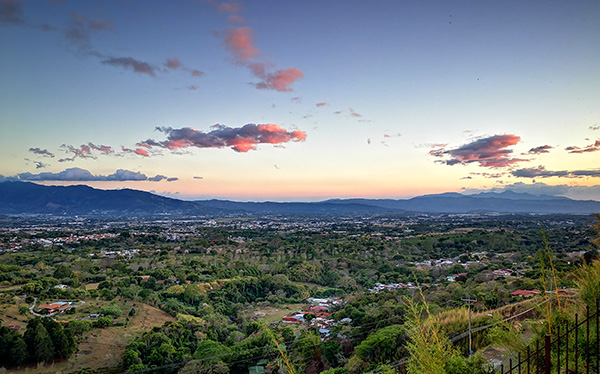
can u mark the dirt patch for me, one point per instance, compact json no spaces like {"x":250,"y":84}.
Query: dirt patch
{"x":147,"y":317}
{"x":91,"y":286}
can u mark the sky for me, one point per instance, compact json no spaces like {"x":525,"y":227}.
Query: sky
{"x":302,"y":101}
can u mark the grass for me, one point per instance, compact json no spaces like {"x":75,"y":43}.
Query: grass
{"x":273,"y":313}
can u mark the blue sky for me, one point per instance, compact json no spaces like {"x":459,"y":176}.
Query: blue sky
{"x":302,"y":101}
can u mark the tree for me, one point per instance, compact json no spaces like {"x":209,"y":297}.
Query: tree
{"x":18,"y":352}
{"x":23,"y":309}
{"x":62,"y":271}
{"x":42,"y":349}
{"x":332,"y":351}
{"x":211,"y":351}
{"x":384,"y":345}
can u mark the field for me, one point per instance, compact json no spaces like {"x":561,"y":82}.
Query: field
{"x":272,"y":314}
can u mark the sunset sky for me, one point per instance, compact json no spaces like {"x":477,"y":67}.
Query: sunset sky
{"x":302,"y":101}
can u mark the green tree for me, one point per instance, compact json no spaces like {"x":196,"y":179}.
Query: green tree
{"x":42,"y":349}
{"x":384,"y":345}
{"x":62,"y":271}
{"x":23,"y":309}
{"x":18,"y":352}
{"x":211,"y":351}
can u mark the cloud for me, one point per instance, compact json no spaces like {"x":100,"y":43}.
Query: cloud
{"x":173,"y":179}
{"x":173,"y":63}
{"x":594,"y":128}
{"x":541,"y":172}
{"x":296,"y":100}
{"x":85,"y":151}
{"x":488,"y":152}
{"x":138,"y":151}
{"x":399,"y":135}
{"x":196,"y":177}
{"x":157,"y":178}
{"x":41,"y":152}
{"x":281,"y":80}
{"x":353,"y":113}
{"x":82,"y":175}
{"x":131,"y":63}
{"x":11,"y":12}
{"x":490,"y":175}
{"x":38,"y":164}
{"x":81,"y":28}
{"x":229,"y":7}
{"x":240,"y":42}
{"x":240,"y":139}
{"x":235,"y":18}
{"x":321,"y":104}
{"x":538,"y":150}
{"x":8,"y":179}
{"x":588,"y":148}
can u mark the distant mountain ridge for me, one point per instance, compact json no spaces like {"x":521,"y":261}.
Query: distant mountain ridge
{"x":30,"y":198}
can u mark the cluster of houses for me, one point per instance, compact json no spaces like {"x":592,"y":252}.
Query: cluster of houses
{"x":503,"y":272}
{"x":9,"y":247}
{"x":127,"y":253}
{"x":320,"y":316}
{"x":72,"y":239}
{"x":395,"y":286}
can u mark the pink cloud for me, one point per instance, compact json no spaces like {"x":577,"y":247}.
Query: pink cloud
{"x":353,"y":113}
{"x":318,"y":105}
{"x":234,"y":18}
{"x":197,"y":73}
{"x":229,"y":7}
{"x":489,"y":152}
{"x":85,"y":150}
{"x":281,"y":80}
{"x":137,"y":151}
{"x":241,"y":139}
{"x":173,"y":63}
{"x":240,"y":42}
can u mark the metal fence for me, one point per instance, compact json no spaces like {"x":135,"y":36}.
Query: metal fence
{"x":570,"y":349}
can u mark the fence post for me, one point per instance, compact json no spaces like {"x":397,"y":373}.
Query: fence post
{"x":547,"y":354}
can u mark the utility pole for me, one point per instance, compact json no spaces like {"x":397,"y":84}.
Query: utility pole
{"x":469,"y":301}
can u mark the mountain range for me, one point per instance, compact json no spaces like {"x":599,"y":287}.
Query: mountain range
{"x":30,"y":198}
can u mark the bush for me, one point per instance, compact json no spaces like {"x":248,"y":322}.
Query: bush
{"x":111,"y":310}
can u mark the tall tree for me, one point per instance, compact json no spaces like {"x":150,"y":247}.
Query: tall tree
{"x":42,"y":349}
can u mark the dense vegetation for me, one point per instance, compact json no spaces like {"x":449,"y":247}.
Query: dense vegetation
{"x":213,"y":277}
